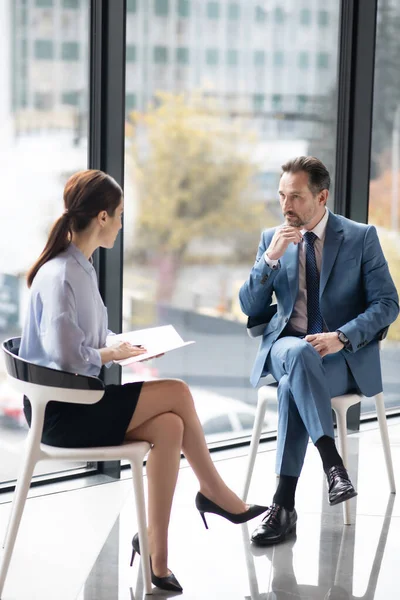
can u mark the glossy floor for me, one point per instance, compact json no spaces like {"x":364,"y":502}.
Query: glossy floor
{"x":76,"y":544}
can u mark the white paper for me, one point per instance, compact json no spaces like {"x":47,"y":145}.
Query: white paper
{"x":156,"y":340}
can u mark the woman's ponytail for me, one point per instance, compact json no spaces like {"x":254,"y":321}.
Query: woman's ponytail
{"x":58,"y":241}
{"x":86,"y":194}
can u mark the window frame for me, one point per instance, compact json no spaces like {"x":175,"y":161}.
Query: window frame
{"x":66,"y":47}
{"x":66,"y":4}
{"x":161,"y":8}
{"x":305,"y":17}
{"x":182,"y":55}
{"x":160,"y":55}
{"x":213,"y":10}
{"x":259,"y":58}
{"x":183,"y":9}
{"x":40,"y":45}
{"x":323,"y":18}
{"x":303,"y":59}
{"x":233,"y":11}
{"x":212,"y":52}
{"x":106,"y":151}
{"x":131,"y":53}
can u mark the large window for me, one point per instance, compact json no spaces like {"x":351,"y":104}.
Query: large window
{"x":216,"y":101}
{"x":213,"y":122}
{"x":43,"y":124}
{"x":384,"y":203}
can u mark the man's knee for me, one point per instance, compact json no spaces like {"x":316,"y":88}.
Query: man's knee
{"x":283,"y":385}
{"x":302,"y":352}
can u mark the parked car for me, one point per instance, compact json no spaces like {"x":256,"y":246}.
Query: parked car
{"x":11,"y":407}
{"x":222,"y":417}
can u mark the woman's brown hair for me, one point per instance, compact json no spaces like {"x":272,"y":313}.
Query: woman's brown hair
{"x":86,"y":194}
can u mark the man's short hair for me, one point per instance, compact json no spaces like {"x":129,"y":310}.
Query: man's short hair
{"x":318,"y":175}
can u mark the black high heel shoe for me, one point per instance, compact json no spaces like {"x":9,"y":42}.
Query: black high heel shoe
{"x":169,"y":583}
{"x":204,"y":505}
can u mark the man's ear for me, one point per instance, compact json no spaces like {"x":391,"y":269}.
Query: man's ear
{"x":323,"y":196}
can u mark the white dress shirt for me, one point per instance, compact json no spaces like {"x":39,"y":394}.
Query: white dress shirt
{"x":66,"y":322}
{"x":299,"y":319}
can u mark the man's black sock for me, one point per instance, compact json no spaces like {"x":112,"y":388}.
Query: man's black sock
{"x":329,"y":454}
{"x":285,"y":492}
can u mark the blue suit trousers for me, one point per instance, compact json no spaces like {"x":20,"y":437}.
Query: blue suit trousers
{"x":306,"y":384}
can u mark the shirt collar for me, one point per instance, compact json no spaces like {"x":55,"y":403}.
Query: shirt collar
{"x":80,"y":258}
{"x":320,"y":228}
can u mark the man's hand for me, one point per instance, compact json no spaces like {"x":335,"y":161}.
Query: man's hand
{"x":283,"y":236}
{"x":325,"y":343}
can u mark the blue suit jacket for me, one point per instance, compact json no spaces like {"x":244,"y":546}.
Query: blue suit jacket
{"x":357,"y":296}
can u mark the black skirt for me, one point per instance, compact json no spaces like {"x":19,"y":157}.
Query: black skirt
{"x":105,"y":423}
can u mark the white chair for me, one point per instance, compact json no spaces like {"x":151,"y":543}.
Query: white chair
{"x":41,"y":385}
{"x":340,"y":404}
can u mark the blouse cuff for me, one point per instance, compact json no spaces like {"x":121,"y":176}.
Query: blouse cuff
{"x":92,"y":356}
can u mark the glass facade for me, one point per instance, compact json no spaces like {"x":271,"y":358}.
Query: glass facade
{"x":43,"y":124}
{"x":384,"y":201}
{"x":216,"y":101}
{"x":212,"y":125}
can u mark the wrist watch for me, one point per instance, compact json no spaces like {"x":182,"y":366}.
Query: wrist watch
{"x":344,"y":339}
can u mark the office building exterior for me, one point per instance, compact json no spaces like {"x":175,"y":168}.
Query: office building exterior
{"x":273,"y":64}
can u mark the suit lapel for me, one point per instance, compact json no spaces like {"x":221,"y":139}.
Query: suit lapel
{"x":333,"y":240}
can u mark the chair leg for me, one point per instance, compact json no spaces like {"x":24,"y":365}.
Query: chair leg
{"x":255,"y":439}
{"x":341,"y":421}
{"x":17,"y":508}
{"x":138,"y":488}
{"x":383,"y":428}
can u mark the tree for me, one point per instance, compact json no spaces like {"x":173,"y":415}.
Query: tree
{"x":194,"y":175}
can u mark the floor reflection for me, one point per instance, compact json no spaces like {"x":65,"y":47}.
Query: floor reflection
{"x":284,"y":585}
{"x":325,"y":561}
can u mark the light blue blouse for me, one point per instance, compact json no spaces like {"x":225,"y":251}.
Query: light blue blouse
{"x":66,"y":322}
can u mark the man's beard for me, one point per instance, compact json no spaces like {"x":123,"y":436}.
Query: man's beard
{"x":294,"y":220}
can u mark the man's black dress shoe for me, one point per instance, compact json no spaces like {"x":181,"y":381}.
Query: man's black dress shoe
{"x":340,"y":487}
{"x":276,"y":525}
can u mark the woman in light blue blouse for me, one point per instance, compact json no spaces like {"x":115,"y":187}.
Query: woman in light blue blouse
{"x":66,"y":328}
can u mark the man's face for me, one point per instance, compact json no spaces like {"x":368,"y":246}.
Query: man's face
{"x":299,"y":206}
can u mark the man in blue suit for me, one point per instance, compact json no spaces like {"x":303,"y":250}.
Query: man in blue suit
{"x":335,"y":299}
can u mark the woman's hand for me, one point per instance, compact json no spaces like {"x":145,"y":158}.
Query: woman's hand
{"x":120,"y":351}
{"x":124,"y":350}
